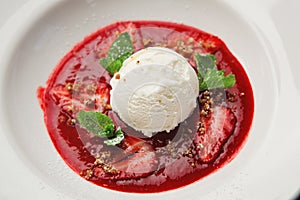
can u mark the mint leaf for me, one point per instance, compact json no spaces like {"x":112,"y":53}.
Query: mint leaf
{"x":119,"y":51}
{"x":108,"y":129}
{"x":229,"y":80}
{"x":100,"y":125}
{"x":96,"y":123}
{"x":205,"y":62}
{"x":119,"y":136}
{"x":208,"y":74}
{"x":116,"y":65}
{"x":215,"y":79}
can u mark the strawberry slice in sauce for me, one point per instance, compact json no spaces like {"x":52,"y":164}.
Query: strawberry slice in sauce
{"x":85,"y":97}
{"x":213,"y":132}
{"x":138,"y":160}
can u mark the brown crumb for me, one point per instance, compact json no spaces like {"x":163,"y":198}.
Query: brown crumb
{"x":71,"y":108}
{"x":188,"y":153}
{"x":206,"y":104}
{"x":118,"y":76}
{"x":190,"y":40}
{"x":71,"y":122}
{"x":89,"y":102}
{"x":91,"y":88}
{"x":99,"y":161}
{"x":200,"y":146}
{"x":207,"y":45}
{"x":89,"y":173}
{"x":69,"y":87}
{"x":76,"y":87}
{"x":234,"y":107}
{"x":171,"y":149}
{"x":193,"y":164}
{"x":184,"y":49}
{"x":201,"y":128}
{"x":147,"y":42}
{"x":231,"y":97}
{"x":109,"y":169}
{"x":204,"y":113}
{"x":108,"y":107}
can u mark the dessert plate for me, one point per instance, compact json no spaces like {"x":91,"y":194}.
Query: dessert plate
{"x":39,"y":34}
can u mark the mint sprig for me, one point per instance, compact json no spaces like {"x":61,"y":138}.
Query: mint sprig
{"x":118,"y":52}
{"x":119,"y":136}
{"x":100,"y":125}
{"x":208,"y":74}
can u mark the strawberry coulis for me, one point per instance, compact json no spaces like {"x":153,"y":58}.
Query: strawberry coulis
{"x":180,"y":157}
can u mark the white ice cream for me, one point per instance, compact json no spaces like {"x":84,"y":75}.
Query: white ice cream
{"x":155,"y":90}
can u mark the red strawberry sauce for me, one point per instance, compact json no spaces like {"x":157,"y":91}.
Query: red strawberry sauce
{"x":208,"y":139}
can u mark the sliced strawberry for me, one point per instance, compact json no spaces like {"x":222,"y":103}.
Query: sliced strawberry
{"x":213,"y":132}
{"x":139,"y":160}
{"x":72,"y":102}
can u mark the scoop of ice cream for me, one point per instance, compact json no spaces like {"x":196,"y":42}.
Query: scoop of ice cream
{"x":155,"y":90}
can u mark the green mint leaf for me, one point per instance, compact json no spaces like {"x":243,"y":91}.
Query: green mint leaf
{"x":119,"y":136}
{"x":208,"y":74}
{"x":204,"y":63}
{"x":96,"y":123}
{"x":229,"y":80}
{"x":108,"y":129}
{"x":116,"y":65}
{"x":119,"y":51}
{"x":100,"y":125}
{"x":212,"y":79}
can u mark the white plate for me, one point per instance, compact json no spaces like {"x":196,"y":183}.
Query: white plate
{"x":41,"y":32}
